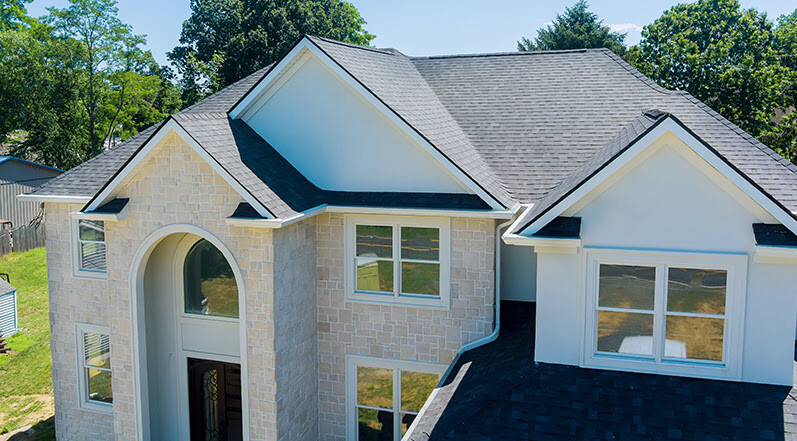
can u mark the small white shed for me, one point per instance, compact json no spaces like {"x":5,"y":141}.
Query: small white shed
{"x":8,"y":308}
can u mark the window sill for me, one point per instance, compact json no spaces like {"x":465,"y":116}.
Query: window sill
{"x":97,"y":407}
{"x":403,"y":300}
{"x":90,"y":275}
{"x":680,"y":368}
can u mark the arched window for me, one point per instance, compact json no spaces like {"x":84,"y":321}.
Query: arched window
{"x":210,"y":287}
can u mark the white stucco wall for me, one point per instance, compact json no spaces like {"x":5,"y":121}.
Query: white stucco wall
{"x":518,"y":273}
{"x":340,"y":141}
{"x":664,"y":202}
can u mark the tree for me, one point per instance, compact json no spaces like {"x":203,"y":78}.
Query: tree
{"x":224,"y":40}
{"x":782,"y":135}
{"x":578,"y":28}
{"x":719,"y":53}
{"x":13,"y":15}
{"x":786,"y":46}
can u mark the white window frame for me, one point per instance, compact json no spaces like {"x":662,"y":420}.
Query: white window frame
{"x":83,"y":386}
{"x":736,"y":267}
{"x":443,"y":301}
{"x":354,"y":361}
{"x":77,"y":267}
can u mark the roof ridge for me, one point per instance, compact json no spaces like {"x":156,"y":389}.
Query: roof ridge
{"x":505,"y":54}
{"x":639,"y":75}
{"x":740,"y":132}
{"x":384,"y":51}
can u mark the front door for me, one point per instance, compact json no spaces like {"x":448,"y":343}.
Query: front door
{"x":214,"y":400}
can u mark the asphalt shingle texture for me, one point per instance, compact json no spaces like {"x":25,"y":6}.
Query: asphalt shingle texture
{"x":497,"y":392}
{"x":518,"y":123}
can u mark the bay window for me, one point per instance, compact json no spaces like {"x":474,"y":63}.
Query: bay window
{"x":664,"y":312}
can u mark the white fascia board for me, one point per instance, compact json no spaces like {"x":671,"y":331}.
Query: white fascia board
{"x":106,"y":217}
{"x":668,"y":125}
{"x":282,"y":222}
{"x":108,"y":192}
{"x":59,"y":199}
{"x":247,"y":106}
{"x":546,"y":244}
{"x":775,"y":254}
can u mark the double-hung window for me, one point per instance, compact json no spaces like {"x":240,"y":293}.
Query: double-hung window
{"x":94,"y":367}
{"x":384,"y":396}
{"x":398,"y":260}
{"x":664,"y":312}
{"x":89,"y":254}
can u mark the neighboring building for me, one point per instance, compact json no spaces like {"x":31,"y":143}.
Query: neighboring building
{"x":9,"y":324}
{"x":18,"y":176}
{"x":303,"y":255}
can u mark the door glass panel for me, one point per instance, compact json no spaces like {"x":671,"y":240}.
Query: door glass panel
{"x":374,"y":425}
{"x":420,"y":243}
{"x":625,"y":332}
{"x":420,"y":278}
{"x":375,"y":387}
{"x":214,"y":394}
{"x":210,"y":287}
{"x":625,"y":286}
{"x":415,"y":389}
{"x":374,"y":275}
{"x":697,"y":338}
{"x":375,"y":241}
{"x":696,"y":290}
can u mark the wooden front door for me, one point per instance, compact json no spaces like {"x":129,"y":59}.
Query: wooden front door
{"x":214,"y":400}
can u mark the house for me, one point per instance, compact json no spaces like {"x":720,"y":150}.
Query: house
{"x":9,"y":323}
{"x":354,"y":244}
{"x":18,"y":176}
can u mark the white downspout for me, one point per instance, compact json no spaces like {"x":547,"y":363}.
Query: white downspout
{"x":497,"y":328}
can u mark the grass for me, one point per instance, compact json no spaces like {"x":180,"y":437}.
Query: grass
{"x":25,"y":373}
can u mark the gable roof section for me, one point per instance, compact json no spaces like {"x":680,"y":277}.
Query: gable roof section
{"x":389,"y":79}
{"x":629,"y":142}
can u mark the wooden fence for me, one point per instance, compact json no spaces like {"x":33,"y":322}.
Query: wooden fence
{"x":24,"y":238}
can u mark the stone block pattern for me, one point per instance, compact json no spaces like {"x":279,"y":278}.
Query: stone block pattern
{"x":403,"y":332}
{"x":295,"y":338}
{"x":173,"y":186}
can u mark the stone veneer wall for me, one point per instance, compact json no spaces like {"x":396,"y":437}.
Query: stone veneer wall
{"x":295,"y":338}
{"x":403,"y":332}
{"x":173,"y":186}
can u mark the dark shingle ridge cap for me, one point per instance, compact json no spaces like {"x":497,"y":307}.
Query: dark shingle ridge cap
{"x":508,"y":54}
{"x":384,"y":51}
{"x":704,"y":107}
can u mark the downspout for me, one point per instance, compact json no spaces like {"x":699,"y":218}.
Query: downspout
{"x":497,"y":328}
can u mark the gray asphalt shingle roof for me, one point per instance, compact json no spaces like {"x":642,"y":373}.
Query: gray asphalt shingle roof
{"x":517,"y":123}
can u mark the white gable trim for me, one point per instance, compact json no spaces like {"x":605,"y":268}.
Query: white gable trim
{"x":670,"y":124}
{"x":107,"y":192}
{"x":52,"y":198}
{"x":282,"y":71}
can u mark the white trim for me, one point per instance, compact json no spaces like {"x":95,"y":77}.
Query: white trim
{"x":398,"y":365}
{"x":83,"y":387}
{"x":136,"y":303}
{"x":53,"y":198}
{"x":668,"y":125}
{"x":775,"y":255}
{"x":77,"y":271}
{"x":108,"y":192}
{"x":546,"y":244}
{"x":283,"y":222}
{"x":105,"y":217}
{"x":736,"y":267}
{"x":271,"y":82}
{"x":443,"y":301}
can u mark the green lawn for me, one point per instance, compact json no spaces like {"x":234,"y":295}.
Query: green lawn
{"x":25,"y":373}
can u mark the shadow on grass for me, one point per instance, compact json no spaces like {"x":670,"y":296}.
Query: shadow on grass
{"x":41,"y":431}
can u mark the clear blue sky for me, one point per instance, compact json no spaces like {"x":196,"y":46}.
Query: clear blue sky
{"x":427,"y":27}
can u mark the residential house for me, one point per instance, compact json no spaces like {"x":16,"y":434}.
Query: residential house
{"x":307,"y":253}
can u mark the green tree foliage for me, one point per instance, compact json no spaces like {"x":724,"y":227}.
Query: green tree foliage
{"x":719,"y":53}
{"x":13,"y":15}
{"x":224,"y":40}
{"x":577,"y":28}
{"x":79,"y":80}
{"x":782,"y":135}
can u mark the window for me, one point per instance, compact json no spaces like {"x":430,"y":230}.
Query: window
{"x":94,"y":367}
{"x":90,"y":253}
{"x":209,"y":284}
{"x":664,"y":312}
{"x":404,"y":262}
{"x":386,"y":395}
